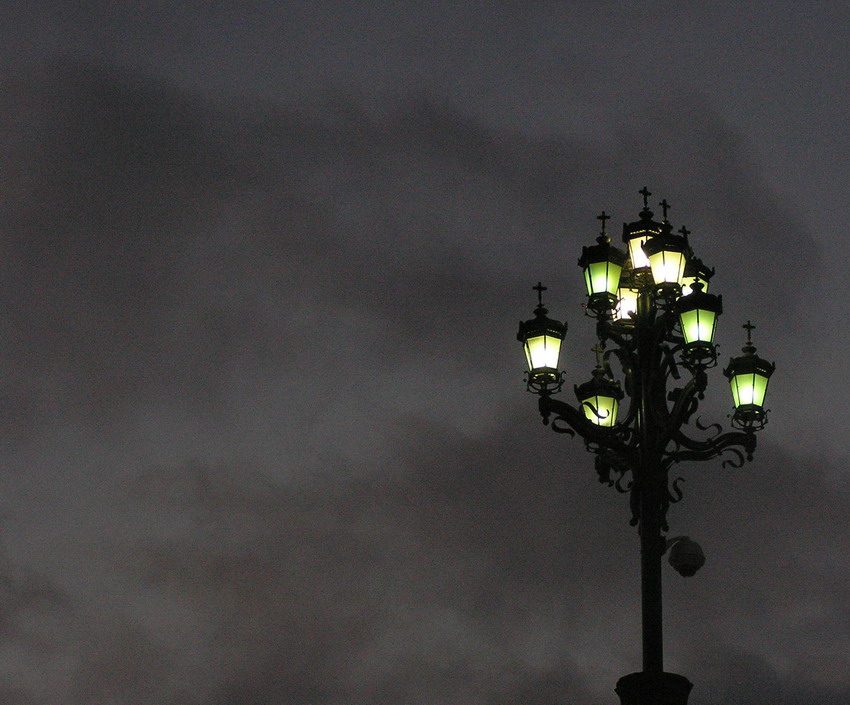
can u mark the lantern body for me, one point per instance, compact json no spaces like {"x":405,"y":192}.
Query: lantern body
{"x":748,"y":377}
{"x":601,"y":410}
{"x":666,"y":256}
{"x":637,"y":239}
{"x":637,"y":234}
{"x":698,"y":326}
{"x":600,"y":399}
{"x":748,"y":389}
{"x":695,"y":271}
{"x":542,"y":352}
{"x":627,"y":303}
{"x":541,"y":339}
{"x":602,"y":265}
{"x":688,"y":282}
{"x":698,"y":314}
{"x":602,"y":277}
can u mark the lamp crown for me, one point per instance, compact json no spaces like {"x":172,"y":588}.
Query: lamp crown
{"x":645,"y":214}
{"x":541,"y":310}
{"x":749,"y":348}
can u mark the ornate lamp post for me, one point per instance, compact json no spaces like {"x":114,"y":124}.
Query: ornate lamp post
{"x":656,"y":321}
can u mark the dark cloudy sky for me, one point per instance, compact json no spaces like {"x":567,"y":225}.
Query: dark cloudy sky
{"x":263,"y":429}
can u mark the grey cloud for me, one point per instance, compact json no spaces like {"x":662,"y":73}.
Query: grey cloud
{"x":180,"y":272}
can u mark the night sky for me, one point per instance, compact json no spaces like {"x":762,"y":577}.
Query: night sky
{"x":264,"y":433}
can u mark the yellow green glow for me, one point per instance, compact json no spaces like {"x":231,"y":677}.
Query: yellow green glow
{"x":748,"y":388}
{"x":602,"y":277}
{"x":542,"y":351}
{"x":688,"y":282}
{"x":601,"y":410}
{"x":698,"y":325}
{"x":639,"y":258}
{"x":668,"y":267}
{"x":627,"y":305}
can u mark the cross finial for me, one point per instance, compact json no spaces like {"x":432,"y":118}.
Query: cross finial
{"x":685,"y":232}
{"x":664,"y":207}
{"x":598,"y":349}
{"x":646,"y":193}
{"x":749,"y":328}
{"x":539,"y":289}
{"x":603,"y":216}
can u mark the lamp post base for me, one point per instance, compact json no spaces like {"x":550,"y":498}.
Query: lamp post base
{"x":653,"y":689}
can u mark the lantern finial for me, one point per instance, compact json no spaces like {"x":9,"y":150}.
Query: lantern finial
{"x":598,"y":349}
{"x":664,"y":208}
{"x":540,"y":289}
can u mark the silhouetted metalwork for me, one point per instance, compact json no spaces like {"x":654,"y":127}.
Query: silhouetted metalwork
{"x":655,"y":322}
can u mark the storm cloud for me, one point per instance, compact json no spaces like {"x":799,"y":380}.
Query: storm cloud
{"x":264,"y":427}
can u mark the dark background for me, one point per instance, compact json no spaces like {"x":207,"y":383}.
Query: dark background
{"x":262,"y":421}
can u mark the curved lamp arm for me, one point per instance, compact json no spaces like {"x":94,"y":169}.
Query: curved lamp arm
{"x":577,"y":422}
{"x":733,"y":442}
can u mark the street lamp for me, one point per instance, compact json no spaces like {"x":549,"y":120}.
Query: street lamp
{"x":655,"y":321}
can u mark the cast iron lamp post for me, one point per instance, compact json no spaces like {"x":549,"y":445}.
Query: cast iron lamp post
{"x":656,"y":320}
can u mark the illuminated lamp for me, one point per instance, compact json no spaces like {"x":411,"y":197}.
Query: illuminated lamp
{"x":698,"y":314}
{"x":600,"y":398}
{"x":748,"y":376}
{"x":627,"y":297}
{"x":541,"y":339}
{"x":636,"y":234}
{"x":695,"y":271}
{"x":666,"y":255}
{"x":602,"y":264}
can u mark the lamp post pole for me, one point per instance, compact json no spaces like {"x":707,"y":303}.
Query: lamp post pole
{"x":663,"y":345}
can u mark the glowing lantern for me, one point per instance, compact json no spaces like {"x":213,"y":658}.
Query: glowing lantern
{"x":698,"y":314}
{"x":541,"y":338}
{"x":627,"y":297}
{"x":602,"y":264}
{"x":637,"y":234}
{"x":748,"y":376}
{"x":600,"y":398}
{"x":666,"y":255}
{"x":695,"y":271}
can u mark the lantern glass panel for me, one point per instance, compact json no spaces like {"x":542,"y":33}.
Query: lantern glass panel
{"x":748,"y":388}
{"x":602,"y":277}
{"x":627,"y":304}
{"x":638,"y":256}
{"x":542,"y":351}
{"x":668,"y":266}
{"x":698,"y":325}
{"x":601,"y":410}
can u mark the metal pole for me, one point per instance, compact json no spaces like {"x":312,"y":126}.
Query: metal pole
{"x":650,"y":488}
{"x":650,"y":576}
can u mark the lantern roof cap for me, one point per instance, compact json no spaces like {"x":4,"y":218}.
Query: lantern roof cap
{"x":749,"y":361}
{"x":698,"y":298}
{"x":600,"y":384}
{"x":695,"y":267}
{"x":644,"y":224}
{"x":541,"y":324}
